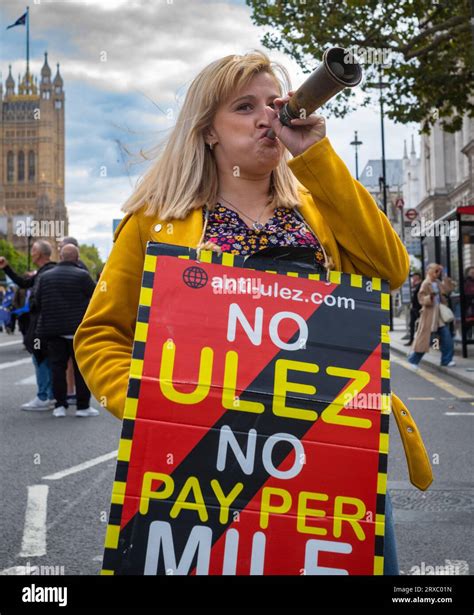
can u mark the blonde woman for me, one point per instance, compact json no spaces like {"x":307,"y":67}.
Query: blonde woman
{"x":433,"y":292}
{"x":221,"y":182}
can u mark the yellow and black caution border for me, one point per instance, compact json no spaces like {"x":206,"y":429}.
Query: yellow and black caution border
{"x":112,"y":535}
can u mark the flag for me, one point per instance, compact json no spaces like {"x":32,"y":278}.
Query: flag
{"x":21,"y":21}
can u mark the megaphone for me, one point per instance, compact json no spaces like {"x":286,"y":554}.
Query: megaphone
{"x":337,"y":71}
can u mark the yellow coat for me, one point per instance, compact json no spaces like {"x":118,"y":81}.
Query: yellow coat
{"x":355,"y":234}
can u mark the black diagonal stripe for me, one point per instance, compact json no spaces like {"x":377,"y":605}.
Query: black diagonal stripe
{"x":364,"y":337}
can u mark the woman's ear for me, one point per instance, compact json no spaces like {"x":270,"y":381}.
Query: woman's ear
{"x":209,"y":136}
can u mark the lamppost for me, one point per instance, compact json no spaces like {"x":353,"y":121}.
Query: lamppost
{"x":383,"y":180}
{"x":356,"y":144}
{"x":28,"y":239}
{"x":380,"y":85}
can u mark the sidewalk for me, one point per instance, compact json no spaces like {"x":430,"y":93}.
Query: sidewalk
{"x":463,"y":371}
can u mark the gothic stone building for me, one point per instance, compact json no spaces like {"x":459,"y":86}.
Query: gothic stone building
{"x":32,"y":159}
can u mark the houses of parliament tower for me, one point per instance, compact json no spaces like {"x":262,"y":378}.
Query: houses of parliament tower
{"x":32,"y":158}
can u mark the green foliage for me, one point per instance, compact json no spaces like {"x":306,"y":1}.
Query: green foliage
{"x":428,"y":46}
{"x":16,"y":260}
{"x":89,"y":255}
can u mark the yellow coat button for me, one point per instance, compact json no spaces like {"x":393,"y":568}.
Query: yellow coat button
{"x":157,"y":227}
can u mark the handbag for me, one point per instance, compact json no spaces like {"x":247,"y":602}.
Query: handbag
{"x":445,"y":313}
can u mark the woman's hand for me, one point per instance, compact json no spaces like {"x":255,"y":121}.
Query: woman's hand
{"x":304,"y":132}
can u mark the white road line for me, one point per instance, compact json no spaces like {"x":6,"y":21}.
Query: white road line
{"x":20,"y":570}
{"x":421,"y":398}
{"x":436,"y":380}
{"x":34,"y":532}
{"x":28,"y":380}
{"x":15,"y":363}
{"x":459,"y":413}
{"x":10,"y":343}
{"x":81,"y":466}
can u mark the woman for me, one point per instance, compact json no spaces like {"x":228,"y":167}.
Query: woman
{"x":469,"y":299}
{"x":433,"y":292}
{"x":221,"y":182}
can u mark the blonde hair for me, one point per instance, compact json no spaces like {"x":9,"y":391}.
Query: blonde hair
{"x":184,"y":176}
{"x":432,"y":266}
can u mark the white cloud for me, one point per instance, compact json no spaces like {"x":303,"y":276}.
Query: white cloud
{"x":152,"y":49}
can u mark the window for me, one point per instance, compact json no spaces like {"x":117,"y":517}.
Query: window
{"x":58,"y":89}
{"x":21,"y":166}
{"x":31,"y":166}
{"x":58,"y":104}
{"x":10,"y":171}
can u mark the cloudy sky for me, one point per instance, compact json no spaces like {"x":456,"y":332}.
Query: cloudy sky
{"x":126,"y":65}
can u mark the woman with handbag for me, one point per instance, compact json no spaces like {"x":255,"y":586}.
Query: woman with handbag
{"x":435,"y":317}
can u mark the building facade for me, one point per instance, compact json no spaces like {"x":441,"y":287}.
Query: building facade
{"x":32,"y":164}
{"x":446,"y":208}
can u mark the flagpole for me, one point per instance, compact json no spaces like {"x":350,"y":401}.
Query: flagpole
{"x":27,"y":42}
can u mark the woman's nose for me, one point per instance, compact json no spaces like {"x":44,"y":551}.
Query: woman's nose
{"x":267,"y":117}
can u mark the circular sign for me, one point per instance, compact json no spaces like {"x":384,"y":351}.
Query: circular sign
{"x":411,"y":214}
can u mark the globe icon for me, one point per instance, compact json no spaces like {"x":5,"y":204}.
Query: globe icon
{"x":195,"y":277}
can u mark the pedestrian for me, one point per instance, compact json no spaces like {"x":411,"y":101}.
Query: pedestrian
{"x":219,"y":179}
{"x":2,"y":294}
{"x":433,"y":294}
{"x":469,"y":299}
{"x":71,"y":385}
{"x":6,"y":309}
{"x":21,"y":309}
{"x":73,"y":241}
{"x":415,"y":306}
{"x":41,"y":256}
{"x":63,"y":295}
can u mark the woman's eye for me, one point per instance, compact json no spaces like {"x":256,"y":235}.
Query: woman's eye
{"x":244,"y":105}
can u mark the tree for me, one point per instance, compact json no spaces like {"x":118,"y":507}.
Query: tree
{"x":422,"y":47}
{"x":16,"y":260}
{"x":89,"y":255}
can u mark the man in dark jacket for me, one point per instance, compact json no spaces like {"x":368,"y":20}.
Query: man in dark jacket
{"x":63,"y":295}
{"x":71,"y":385}
{"x":41,"y":257}
{"x":415,"y":306}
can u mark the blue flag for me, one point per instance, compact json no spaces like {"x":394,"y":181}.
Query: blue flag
{"x":21,"y":21}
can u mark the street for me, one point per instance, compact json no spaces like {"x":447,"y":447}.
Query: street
{"x":57,"y":477}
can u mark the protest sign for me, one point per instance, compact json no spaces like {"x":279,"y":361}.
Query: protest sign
{"x":255,"y":432}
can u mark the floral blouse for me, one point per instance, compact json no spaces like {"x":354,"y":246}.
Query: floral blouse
{"x":227,"y":229}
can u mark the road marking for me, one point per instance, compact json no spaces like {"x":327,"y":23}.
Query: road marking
{"x":10,"y":343}
{"x":436,"y":380}
{"x":15,"y":363}
{"x":14,"y":570}
{"x":28,"y":380}
{"x":81,"y":466}
{"x":421,"y":398}
{"x":459,"y":413}
{"x":34,"y":532}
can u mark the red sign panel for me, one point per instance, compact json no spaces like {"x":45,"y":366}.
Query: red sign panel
{"x":255,"y":433}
